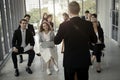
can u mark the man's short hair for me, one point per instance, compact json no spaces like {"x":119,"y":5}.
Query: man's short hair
{"x":27,"y":15}
{"x":95,"y":15}
{"x":23,"y":20}
{"x":74,"y":7}
{"x":87,"y":11}
{"x":49,"y":15}
{"x":65,"y":14}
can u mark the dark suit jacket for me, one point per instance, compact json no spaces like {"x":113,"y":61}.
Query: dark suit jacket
{"x":101,"y":46}
{"x":100,"y":33}
{"x":17,"y":38}
{"x":51,"y":23}
{"x":83,"y":17}
{"x":31,"y":28}
{"x":77,"y":33}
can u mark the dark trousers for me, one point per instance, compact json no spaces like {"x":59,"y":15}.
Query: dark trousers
{"x":98,"y":56}
{"x":97,"y":51}
{"x":31,"y":55}
{"x":21,"y":57}
{"x":82,"y":73}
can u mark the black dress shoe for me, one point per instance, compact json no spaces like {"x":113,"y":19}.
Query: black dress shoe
{"x":38,"y":54}
{"x":29,"y":70}
{"x":16,"y":72}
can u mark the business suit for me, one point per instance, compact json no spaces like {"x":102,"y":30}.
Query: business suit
{"x":77,"y":33}
{"x":31,"y":28}
{"x":100,"y":33}
{"x":83,"y":17}
{"x":17,"y":41}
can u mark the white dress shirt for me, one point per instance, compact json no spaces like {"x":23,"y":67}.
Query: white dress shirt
{"x":23,"y":37}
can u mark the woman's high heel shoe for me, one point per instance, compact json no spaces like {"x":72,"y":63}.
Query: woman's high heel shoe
{"x":98,"y":70}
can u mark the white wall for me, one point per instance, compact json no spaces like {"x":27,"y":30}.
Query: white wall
{"x":104,"y":8}
{"x":104,"y":13}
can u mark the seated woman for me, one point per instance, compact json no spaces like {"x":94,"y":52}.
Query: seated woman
{"x":99,"y":46}
{"x":47,"y":47}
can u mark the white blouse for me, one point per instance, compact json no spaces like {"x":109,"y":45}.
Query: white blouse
{"x":98,"y":40}
{"x":46,"y":36}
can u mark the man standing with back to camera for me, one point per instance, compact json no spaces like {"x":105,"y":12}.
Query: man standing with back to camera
{"x":77,"y":33}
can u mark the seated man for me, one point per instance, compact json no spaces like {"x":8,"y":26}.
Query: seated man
{"x":29,"y":27}
{"x":23,"y":42}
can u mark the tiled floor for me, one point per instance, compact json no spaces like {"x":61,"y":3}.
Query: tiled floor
{"x":110,"y":66}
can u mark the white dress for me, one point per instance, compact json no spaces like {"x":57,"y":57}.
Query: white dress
{"x":47,"y":53}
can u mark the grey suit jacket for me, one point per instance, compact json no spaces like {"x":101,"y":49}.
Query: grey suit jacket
{"x":47,"y":44}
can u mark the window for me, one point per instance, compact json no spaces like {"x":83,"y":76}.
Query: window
{"x":33,"y":8}
{"x":89,"y":5}
{"x":36,"y":9}
{"x":115,"y":16}
{"x":61,"y":6}
{"x":86,"y":5}
{"x":1,"y":37}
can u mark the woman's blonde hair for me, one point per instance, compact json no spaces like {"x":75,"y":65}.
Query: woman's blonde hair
{"x":41,"y":26}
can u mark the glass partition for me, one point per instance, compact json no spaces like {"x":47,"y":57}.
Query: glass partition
{"x":115,"y":17}
{"x":36,"y":9}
